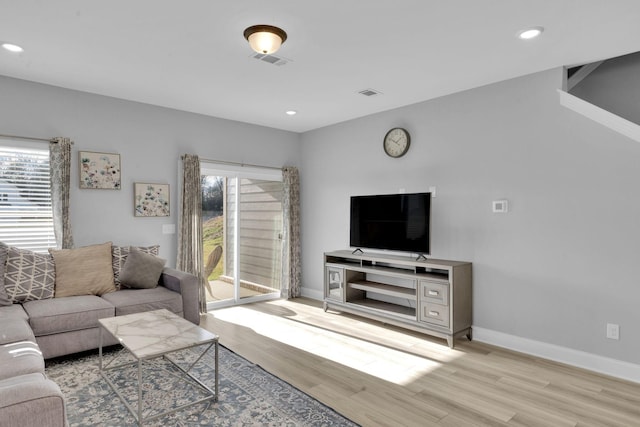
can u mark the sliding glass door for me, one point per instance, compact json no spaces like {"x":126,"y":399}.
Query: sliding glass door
{"x":242,"y":233}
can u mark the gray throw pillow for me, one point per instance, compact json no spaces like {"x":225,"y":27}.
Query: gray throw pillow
{"x":119,"y":257}
{"x":4,"y":298}
{"x":141,"y":270}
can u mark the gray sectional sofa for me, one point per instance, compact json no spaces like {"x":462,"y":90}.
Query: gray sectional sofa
{"x":35,"y":330}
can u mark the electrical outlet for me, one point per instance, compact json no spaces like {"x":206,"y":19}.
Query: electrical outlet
{"x":613,"y":331}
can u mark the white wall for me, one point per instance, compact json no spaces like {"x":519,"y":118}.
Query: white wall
{"x":149,"y":140}
{"x":556,"y":268}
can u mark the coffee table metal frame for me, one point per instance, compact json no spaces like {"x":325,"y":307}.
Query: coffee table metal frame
{"x":137,"y":412}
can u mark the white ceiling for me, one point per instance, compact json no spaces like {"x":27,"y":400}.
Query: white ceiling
{"x":191,"y":55}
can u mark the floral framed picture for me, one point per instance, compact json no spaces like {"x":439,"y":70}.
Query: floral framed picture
{"x":151,"y":199}
{"x":99,"y":170}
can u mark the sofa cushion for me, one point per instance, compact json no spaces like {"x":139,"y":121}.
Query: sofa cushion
{"x":15,"y":329}
{"x":18,"y":379}
{"x":67,"y":314}
{"x":28,"y":275}
{"x":141,"y":271}
{"x":119,"y":257}
{"x":20,"y":358}
{"x":4,"y":298}
{"x":13,"y":311}
{"x":128,"y":301}
{"x":83,"y":271}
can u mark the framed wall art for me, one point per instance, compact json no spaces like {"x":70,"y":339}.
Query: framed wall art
{"x":99,"y":170}
{"x":151,"y":199}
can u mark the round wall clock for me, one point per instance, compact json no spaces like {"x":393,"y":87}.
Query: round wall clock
{"x":396,"y":142}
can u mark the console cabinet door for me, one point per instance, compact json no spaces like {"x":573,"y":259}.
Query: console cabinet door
{"x":334,"y":284}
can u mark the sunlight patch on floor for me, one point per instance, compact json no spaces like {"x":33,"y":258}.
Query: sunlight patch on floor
{"x":386,"y":363}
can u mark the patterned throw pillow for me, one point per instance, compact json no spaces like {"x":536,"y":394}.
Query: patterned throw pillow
{"x":29,"y":276}
{"x":4,"y":251}
{"x":119,"y":257}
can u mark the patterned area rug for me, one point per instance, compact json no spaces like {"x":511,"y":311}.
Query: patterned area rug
{"x":249,"y":396}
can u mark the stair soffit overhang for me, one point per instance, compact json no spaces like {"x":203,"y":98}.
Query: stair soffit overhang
{"x":592,"y":111}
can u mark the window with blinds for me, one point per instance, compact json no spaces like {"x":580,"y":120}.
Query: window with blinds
{"x":26,"y":217}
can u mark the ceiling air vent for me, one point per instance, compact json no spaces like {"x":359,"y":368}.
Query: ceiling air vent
{"x":271,"y":59}
{"x":369,"y":92}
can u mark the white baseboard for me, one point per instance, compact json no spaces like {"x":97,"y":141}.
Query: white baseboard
{"x":313,"y":294}
{"x":604,"y":365}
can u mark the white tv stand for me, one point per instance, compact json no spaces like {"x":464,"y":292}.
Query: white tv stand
{"x":430,"y":296}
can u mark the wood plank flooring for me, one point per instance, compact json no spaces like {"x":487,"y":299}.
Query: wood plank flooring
{"x":379,"y":375}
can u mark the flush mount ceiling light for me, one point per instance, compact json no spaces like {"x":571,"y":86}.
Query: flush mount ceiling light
{"x":265,"y":39}
{"x":530,"y":33}
{"x":12,"y":47}
{"x":291,"y":112}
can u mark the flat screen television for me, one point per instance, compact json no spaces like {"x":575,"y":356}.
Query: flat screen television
{"x":399,"y":222}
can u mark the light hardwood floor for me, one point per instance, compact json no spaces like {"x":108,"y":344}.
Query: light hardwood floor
{"x":379,"y":375}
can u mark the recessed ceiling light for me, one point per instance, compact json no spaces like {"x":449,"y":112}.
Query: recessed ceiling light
{"x":12,"y":47}
{"x":530,"y":33}
{"x":292,"y":112}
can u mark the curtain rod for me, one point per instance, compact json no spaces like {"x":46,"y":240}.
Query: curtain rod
{"x":224,"y":162}
{"x":28,"y":138}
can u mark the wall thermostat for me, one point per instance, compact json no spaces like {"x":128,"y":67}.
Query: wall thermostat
{"x":500,"y":206}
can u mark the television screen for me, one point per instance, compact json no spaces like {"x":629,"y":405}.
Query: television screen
{"x":398,"y":222}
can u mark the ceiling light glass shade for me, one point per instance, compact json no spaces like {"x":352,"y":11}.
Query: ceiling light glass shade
{"x":12,"y":47}
{"x":265,"y":39}
{"x":530,"y":33}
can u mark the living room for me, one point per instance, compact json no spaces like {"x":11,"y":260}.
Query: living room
{"x":548,"y":275}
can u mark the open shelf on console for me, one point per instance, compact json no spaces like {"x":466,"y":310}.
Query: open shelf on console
{"x":381,"y":288}
{"x":401,"y":311}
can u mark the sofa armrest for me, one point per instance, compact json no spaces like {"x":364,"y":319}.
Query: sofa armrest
{"x":187,"y":285}
{"x":31,"y":400}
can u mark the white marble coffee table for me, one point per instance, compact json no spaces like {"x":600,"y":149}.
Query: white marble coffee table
{"x":155,"y":334}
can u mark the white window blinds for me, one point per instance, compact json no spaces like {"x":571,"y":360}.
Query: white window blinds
{"x":26,"y":217}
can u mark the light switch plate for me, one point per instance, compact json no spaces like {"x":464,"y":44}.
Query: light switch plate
{"x":168,"y":229}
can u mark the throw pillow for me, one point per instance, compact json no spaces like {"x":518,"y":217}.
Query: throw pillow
{"x":141,"y":270}
{"x":28,"y":275}
{"x":4,"y":298}
{"x":83,"y":271}
{"x":119,"y":257}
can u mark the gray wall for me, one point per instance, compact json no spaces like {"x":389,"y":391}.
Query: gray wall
{"x":149,"y":140}
{"x":556,"y":268}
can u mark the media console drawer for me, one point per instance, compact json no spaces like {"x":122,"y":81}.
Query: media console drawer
{"x":434,"y":313}
{"x":437,"y":293}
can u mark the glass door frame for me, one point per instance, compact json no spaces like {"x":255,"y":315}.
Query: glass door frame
{"x":238,"y":172}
